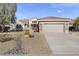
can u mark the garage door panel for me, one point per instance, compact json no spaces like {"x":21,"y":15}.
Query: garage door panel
{"x":52,"y":27}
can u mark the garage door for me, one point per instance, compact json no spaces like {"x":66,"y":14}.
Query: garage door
{"x":52,"y":27}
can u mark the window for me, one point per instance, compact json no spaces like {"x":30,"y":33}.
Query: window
{"x":34,"y":25}
{"x":34,"y":21}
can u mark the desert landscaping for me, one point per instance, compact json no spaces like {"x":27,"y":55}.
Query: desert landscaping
{"x":48,"y":35}
{"x":21,"y":45}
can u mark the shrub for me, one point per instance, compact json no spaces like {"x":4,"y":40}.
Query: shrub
{"x":26,"y":32}
{"x":5,"y":37}
{"x":19,"y":27}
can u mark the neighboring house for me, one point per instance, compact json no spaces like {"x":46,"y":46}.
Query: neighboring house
{"x":34,"y":24}
{"x":72,"y":23}
{"x":24,"y":23}
{"x":51,"y":24}
{"x":72,"y":26}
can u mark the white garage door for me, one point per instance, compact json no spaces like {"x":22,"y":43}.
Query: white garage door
{"x":52,"y":27}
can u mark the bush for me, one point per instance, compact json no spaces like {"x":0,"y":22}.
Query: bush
{"x":19,"y":27}
{"x":26,"y":32}
{"x":71,"y":28}
{"x":6,"y":29}
{"x":5,"y":37}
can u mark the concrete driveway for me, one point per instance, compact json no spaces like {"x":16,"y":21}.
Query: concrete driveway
{"x":62,"y":43}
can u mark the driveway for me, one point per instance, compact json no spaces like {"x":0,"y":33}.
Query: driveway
{"x":62,"y":43}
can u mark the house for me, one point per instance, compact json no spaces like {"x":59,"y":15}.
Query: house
{"x":72,"y":26}
{"x":51,"y":24}
{"x":72,"y":23}
{"x":24,"y":23}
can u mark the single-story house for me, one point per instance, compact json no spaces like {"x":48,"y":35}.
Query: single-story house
{"x":46,"y":24}
{"x":24,"y":23}
{"x":51,"y":24}
{"x":72,"y":26}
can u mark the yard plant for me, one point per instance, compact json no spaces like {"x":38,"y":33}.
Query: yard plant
{"x":77,"y":23}
{"x":7,"y":14}
{"x":26,"y":32}
{"x":5,"y":37}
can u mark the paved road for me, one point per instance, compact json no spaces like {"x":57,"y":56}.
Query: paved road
{"x":62,"y":43}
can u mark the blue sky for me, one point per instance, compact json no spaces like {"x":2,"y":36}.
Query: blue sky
{"x":39,"y":10}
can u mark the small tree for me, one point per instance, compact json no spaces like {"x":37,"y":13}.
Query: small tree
{"x":77,"y":22}
{"x":7,"y":14}
{"x":3,"y":21}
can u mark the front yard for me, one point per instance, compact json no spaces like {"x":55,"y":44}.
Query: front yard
{"x":22,"y":45}
{"x":7,"y":45}
{"x":37,"y":45}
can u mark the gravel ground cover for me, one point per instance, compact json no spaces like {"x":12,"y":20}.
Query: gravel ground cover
{"x":37,"y":45}
{"x":18,"y":50}
{"x":13,"y":47}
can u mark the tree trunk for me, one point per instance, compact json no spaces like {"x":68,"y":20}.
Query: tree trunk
{"x":2,"y":28}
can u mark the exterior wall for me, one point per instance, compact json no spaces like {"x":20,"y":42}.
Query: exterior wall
{"x":34,"y":22}
{"x":51,"y":20}
{"x":66,"y":27}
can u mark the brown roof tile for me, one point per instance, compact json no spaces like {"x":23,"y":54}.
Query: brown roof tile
{"x":25,"y":21}
{"x":54,"y":19}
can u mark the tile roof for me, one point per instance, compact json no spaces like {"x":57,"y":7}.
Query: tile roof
{"x":54,"y":19}
{"x":25,"y":21}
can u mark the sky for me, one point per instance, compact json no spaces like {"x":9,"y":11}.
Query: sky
{"x":40,"y":10}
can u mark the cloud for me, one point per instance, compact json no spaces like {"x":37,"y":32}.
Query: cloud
{"x":59,"y":11}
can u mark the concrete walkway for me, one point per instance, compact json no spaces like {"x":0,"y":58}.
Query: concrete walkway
{"x":63,"y":43}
